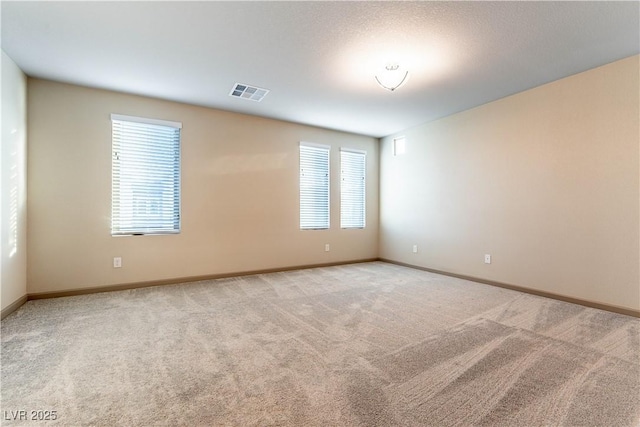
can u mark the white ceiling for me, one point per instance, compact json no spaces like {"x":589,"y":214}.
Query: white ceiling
{"x":318,"y":59}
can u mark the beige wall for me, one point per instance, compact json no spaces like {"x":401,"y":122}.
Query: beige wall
{"x":13,"y":217}
{"x":240,"y":204}
{"x":546,"y":181}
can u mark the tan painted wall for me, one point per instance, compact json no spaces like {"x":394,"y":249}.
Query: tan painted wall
{"x":546,"y":181}
{"x":13,"y":217}
{"x":240,"y":204}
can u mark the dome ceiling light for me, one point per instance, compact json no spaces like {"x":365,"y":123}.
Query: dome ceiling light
{"x":392,"y":77}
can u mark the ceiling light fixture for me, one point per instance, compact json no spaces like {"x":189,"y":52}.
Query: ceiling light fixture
{"x":392,"y":77}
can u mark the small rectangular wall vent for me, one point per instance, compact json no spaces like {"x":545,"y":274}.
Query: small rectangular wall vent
{"x":248,"y":92}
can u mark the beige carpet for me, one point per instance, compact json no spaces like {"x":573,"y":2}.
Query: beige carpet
{"x":365,"y":345}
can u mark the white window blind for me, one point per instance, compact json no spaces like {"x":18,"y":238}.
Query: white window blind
{"x":314,"y":186}
{"x":145,"y":186}
{"x":399,"y":145}
{"x":352,"y":188}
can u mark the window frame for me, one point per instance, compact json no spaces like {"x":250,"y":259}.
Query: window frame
{"x":343,"y":177}
{"x":399,"y":145}
{"x":321,"y":148}
{"x":137,"y":131}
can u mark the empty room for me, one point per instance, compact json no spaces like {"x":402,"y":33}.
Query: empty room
{"x":320,"y":213}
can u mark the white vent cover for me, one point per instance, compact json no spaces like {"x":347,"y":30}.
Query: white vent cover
{"x":248,"y":92}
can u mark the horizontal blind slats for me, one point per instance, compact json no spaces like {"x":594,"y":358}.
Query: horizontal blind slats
{"x":145,"y":178}
{"x":314,"y":187}
{"x":352,"y":189}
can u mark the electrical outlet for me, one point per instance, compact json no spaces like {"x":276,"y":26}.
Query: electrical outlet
{"x":487,"y":259}
{"x":415,"y":249}
{"x":117,"y":262}
{"x":327,"y":248}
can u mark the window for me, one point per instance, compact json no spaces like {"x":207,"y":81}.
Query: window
{"x":352,"y":188}
{"x":399,"y":146}
{"x":145,"y":173}
{"x":314,"y":186}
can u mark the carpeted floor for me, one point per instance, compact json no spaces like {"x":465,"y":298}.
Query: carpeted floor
{"x":370,"y":344}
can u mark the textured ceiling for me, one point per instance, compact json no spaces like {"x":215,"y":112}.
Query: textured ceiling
{"x":318,"y":59}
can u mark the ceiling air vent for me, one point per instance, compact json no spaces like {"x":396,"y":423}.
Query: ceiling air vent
{"x":248,"y":92}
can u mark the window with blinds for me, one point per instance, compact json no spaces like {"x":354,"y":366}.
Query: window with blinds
{"x":314,"y":186}
{"x":145,"y":173}
{"x":352,"y":188}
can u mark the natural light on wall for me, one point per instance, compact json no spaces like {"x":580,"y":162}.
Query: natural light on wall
{"x":13,"y":199}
